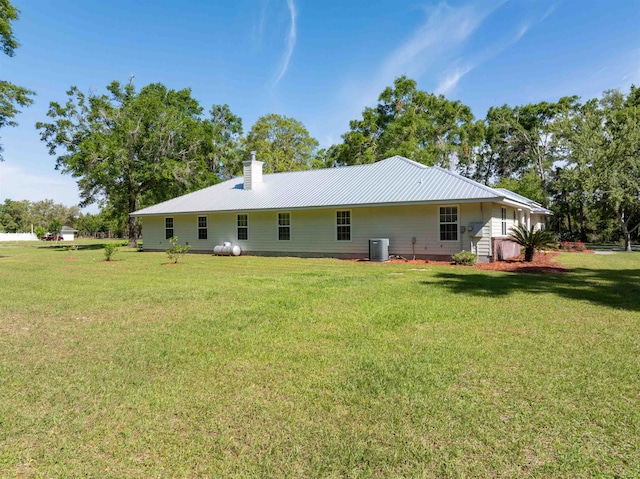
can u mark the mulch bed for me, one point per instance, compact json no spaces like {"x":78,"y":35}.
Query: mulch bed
{"x":542,"y":263}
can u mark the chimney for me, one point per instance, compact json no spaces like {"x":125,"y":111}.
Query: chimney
{"x":252,"y":172}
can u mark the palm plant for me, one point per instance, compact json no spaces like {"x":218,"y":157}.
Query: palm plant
{"x":531,"y":240}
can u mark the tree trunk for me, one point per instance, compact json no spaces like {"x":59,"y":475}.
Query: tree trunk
{"x":624,"y":225}
{"x":528,"y":254}
{"x":583,"y":232}
{"x":627,"y":237}
{"x":133,"y":243}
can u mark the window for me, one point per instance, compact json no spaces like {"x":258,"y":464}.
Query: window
{"x":202,"y":227}
{"x":243,"y":227}
{"x":284,"y":226}
{"x":168,"y":228}
{"x":448,"y":223}
{"x":504,"y":221}
{"x":343,"y":224}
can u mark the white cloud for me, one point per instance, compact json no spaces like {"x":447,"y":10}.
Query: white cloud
{"x":291,"y":41}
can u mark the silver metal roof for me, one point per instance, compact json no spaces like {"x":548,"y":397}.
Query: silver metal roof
{"x":536,"y":207}
{"x":391,"y":181}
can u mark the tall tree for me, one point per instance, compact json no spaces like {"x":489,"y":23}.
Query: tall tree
{"x":12,"y":97}
{"x":130,"y":148}
{"x":421,"y":126}
{"x":226,"y":149}
{"x":601,"y":140}
{"x":617,"y":170}
{"x":283,"y":143}
{"x":520,"y":140}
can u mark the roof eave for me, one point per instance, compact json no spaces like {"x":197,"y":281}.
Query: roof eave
{"x":325,"y":207}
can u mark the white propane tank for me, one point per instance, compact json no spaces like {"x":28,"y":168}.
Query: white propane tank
{"x":227,"y":249}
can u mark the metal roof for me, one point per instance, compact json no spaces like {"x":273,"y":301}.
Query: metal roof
{"x":536,"y":207}
{"x":395,"y":180}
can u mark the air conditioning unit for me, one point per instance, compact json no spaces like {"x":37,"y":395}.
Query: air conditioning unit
{"x":379,"y":249}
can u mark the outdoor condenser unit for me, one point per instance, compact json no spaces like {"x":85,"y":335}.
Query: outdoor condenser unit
{"x":379,"y":249}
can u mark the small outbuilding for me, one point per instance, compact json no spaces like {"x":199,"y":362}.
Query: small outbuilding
{"x":68,"y":233}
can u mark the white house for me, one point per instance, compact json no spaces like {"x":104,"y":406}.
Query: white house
{"x":424,"y":211}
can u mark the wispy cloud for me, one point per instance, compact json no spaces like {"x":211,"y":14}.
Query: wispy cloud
{"x":450,"y":82}
{"x":445,"y":30}
{"x":258,"y":29}
{"x":455,"y":73}
{"x":291,"y":41}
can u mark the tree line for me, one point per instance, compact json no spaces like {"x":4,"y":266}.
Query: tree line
{"x":47,"y":216}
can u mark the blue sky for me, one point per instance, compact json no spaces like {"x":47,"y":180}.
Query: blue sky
{"x":319,"y":62}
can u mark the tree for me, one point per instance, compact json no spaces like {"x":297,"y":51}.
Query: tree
{"x":129,"y":149}
{"x":11,"y":96}
{"x":13,"y":216}
{"x":226,"y":132}
{"x":283,"y":143}
{"x":421,"y":126}
{"x":519,"y":141}
{"x":617,"y":171}
{"x":601,"y":140}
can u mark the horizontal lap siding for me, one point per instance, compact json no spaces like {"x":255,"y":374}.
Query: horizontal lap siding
{"x":314,"y":231}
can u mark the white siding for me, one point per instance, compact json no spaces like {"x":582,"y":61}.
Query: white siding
{"x":314,"y":231}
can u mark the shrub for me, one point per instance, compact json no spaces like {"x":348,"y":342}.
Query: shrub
{"x":466,"y":258}
{"x":532,"y":240}
{"x":110,"y":249}
{"x":573,"y":246}
{"x":579,"y":246}
{"x":176,"y":251}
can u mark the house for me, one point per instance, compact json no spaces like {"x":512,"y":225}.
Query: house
{"x":426,"y":212}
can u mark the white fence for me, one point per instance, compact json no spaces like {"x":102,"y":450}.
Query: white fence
{"x":18,"y":237}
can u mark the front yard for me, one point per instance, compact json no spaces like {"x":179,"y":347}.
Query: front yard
{"x":285,"y":367}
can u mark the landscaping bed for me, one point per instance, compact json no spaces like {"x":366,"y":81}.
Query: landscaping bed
{"x":542,"y":263}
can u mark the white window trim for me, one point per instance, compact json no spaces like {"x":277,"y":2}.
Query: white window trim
{"x":237,"y":227}
{"x":173,"y":222}
{"x":503,"y":221}
{"x":335,"y":225}
{"x":457,"y":223}
{"x":278,"y":225}
{"x":201,"y":228}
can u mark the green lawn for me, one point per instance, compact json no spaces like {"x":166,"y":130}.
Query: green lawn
{"x":284,"y":367}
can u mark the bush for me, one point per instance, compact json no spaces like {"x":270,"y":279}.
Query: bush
{"x":110,"y":249}
{"x":466,"y":258}
{"x":176,"y":251}
{"x":575,"y":246}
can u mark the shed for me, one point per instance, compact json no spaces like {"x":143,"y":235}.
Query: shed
{"x":68,"y":233}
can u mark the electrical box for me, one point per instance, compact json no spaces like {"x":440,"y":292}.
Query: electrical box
{"x":475,"y":228}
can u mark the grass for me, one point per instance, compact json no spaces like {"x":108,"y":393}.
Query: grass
{"x":284,"y":367}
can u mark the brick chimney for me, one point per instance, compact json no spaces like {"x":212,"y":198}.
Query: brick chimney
{"x":252,"y":172}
